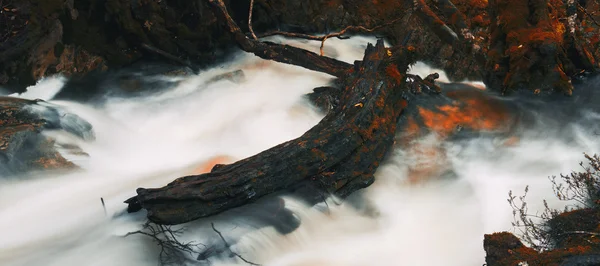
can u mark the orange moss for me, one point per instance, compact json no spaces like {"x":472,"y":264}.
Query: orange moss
{"x":333,"y":3}
{"x":302,"y":143}
{"x":506,"y":249}
{"x":481,"y":4}
{"x":403,"y":104}
{"x":208,"y":165}
{"x":392,"y":71}
{"x":472,"y":110}
{"x":319,"y":153}
{"x":479,"y":20}
{"x":56,"y":162}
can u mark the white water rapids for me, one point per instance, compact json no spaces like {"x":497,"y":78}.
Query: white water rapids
{"x":57,"y":219}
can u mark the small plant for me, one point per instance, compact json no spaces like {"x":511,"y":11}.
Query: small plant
{"x":581,"y":188}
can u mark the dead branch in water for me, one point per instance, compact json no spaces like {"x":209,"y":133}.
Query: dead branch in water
{"x":229,"y":247}
{"x":172,"y":251}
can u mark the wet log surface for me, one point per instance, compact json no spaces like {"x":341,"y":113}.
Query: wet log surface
{"x":339,"y":155}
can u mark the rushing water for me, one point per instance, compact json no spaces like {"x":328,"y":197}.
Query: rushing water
{"x":147,"y":141}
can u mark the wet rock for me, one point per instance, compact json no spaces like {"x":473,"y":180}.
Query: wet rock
{"x":23,"y":147}
{"x":574,"y":242}
{"x":137,"y":80}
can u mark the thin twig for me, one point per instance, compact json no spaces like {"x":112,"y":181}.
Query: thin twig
{"x":580,"y":232}
{"x":171,"y":57}
{"x":588,"y":14}
{"x":172,"y":251}
{"x":229,"y":247}
{"x":250,"y":20}
{"x":278,"y":52}
{"x":103,"y":206}
{"x":323,"y":38}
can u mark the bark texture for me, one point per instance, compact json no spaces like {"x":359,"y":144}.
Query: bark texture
{"x":339,"y":155}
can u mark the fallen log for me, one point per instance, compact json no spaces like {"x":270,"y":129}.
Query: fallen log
{"x":339,"y":155}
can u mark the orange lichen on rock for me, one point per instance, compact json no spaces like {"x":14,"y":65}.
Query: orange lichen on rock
{"x":506,"y":249}
{"x":479,"y":20}
{"x":208,"y":165}
{"x":471,"y":109}
{"x":55,"y":162}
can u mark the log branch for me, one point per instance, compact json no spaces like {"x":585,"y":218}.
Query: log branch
{"x":250,"y":20}
{"x":456,"y":18}
{"x":166,"y":55}
{"x":323,"y":38}
{"x":435,"y":24}
{"x":279,"y":52}
{"x":582,"y":9}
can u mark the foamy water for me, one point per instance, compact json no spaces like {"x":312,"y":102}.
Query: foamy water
{"x":58,"y":219}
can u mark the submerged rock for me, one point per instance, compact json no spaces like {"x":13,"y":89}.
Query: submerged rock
{"x":23,"y":147}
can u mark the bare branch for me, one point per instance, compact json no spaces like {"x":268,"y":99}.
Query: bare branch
{"x":438,"y":26}
{"x":580,"y":187}
{"x":463,"y":42}
{"x":250,"y":20}
{"x":582,"y":9}
{"x":166,"y":55}
{"x":103,"y":206}
{"x":172,"y":251}
{"x":229,"y":247}
{"x":338,"y":34}
{"x":279,"y":52}
{"x":458,"y":18}
{"x":581,"y":233}
{"x":417,"y":83}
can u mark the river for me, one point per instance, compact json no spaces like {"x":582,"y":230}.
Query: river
{"x":55,"y":218}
